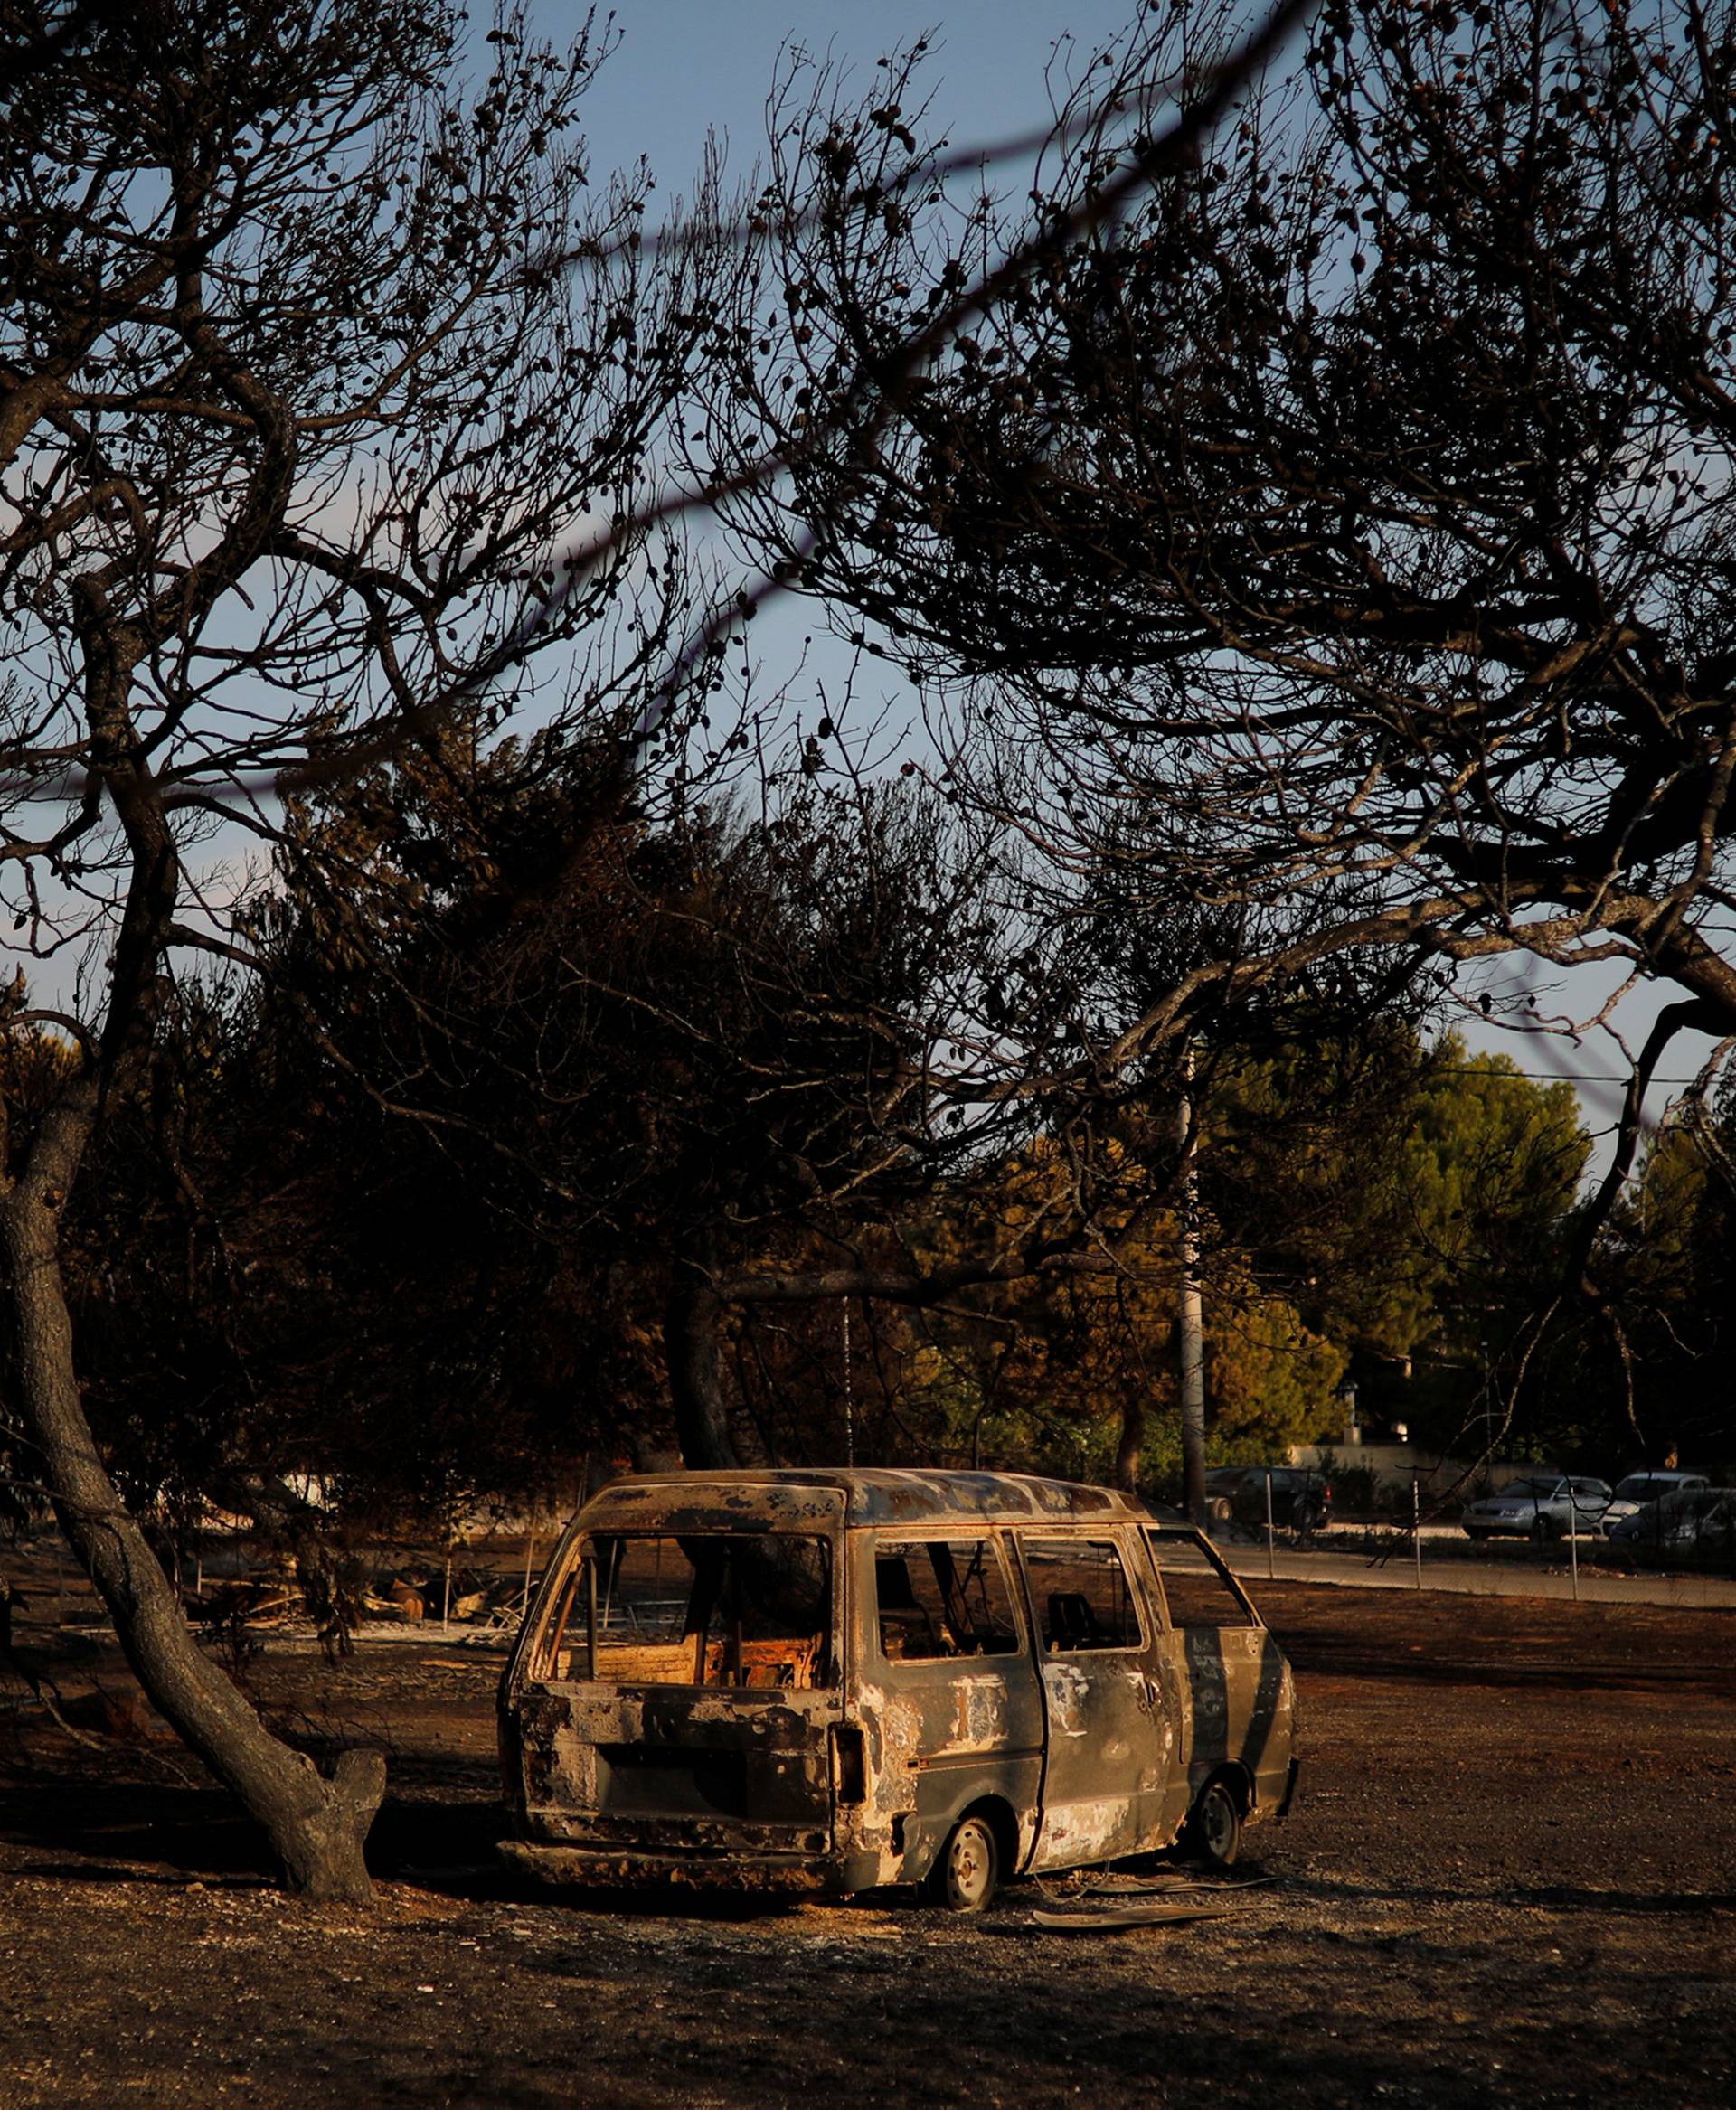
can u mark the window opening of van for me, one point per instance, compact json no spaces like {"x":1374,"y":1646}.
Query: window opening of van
{"x":1197,"y":1592}
{"x":938,"y":1597}
{"x":694,"y":1609}
{"x":1080,"y":1594}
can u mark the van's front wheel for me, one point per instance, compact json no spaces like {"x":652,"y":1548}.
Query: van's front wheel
{"x":963,"y":1879}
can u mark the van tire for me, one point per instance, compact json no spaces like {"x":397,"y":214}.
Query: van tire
{"x":967,"y":1868}
{"x":1214,"y":1832}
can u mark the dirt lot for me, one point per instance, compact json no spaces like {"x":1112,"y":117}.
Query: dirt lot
{"x":1510,"y":1878}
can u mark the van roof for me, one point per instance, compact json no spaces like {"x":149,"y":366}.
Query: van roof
{"x":871,"y":1495}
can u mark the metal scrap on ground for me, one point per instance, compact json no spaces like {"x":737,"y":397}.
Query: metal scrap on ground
{"x":1150,"y":1912}
{"x":1110,"y":1900}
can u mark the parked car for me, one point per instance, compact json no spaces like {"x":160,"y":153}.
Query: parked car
{"x":1632,"y":1494}
{"x":1221,"y":1485}
{"x":1541,"y":1506}
{"x":830,"y":1680}
{"x":1301,"y":1500}
{"x":1694,"y":1528}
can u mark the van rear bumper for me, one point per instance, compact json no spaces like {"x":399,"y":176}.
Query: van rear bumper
{"x":631,"y":1868}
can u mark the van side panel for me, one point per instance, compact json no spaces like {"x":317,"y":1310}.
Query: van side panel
{"x":1113,"y":1745}
{"x":941,"y":1734}
{"x":1238,"y":1695}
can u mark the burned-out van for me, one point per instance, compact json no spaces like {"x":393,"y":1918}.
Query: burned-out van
{"x":828,"y":1680}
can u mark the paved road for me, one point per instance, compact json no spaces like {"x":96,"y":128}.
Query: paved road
{"x":1481,"y":1577}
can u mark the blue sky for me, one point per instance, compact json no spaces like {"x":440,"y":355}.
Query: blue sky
{"x":685,"y":67}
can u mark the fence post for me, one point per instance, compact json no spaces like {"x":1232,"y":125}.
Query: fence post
{"x":1415,"y":1526}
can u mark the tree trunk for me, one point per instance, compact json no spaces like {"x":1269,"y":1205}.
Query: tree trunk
{"x":692,"y":1320}
{"x":316,"y":1826}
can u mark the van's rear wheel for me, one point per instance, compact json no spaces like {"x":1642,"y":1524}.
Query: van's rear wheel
{"x":965,"y":1876}
{"x":1214,"y":1830}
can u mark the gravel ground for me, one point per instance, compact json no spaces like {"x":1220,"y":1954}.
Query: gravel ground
{"x":1510,"y":1878}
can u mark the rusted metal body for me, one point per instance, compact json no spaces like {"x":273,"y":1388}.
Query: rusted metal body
{"x":803,"y":1681}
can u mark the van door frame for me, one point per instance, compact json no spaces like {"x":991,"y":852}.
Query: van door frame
{"x":928,"y":1763}
{"x":1129,"y":1693}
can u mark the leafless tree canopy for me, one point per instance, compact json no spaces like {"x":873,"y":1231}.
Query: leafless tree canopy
{"x":289,"y":431}
{"x":1331,"y":547}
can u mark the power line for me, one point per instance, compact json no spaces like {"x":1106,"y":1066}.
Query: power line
{"x":1562,"y":1076}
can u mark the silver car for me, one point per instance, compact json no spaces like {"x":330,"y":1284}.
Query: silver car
{"x":1638,"y":1489}
{"x":1542,"y":1507}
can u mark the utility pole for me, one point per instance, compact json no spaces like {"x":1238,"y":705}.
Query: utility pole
{"x":849,"y":1403}
{"x":1189,"y":1332}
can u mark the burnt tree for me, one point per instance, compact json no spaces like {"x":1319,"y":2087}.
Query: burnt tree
{"x":292,"y":436}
